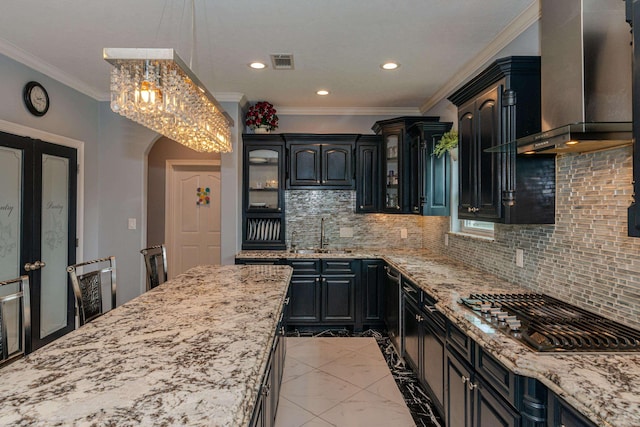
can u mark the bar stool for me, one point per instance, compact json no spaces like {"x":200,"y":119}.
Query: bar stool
{"x":155,"y":261}
{"x":87,"y":286}
{"x":15,"y":320}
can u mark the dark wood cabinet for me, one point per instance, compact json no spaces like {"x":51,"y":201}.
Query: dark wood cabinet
{"x":372,"y":294}
{"x":470,"y":402}
{"x":431,"y":175}
{"x":263,"y":217}
{"x":500,"y":104}
{"x":323,"y":292}
{"x":562,"y":414}
{"x":321,"y":161}
{"x":407,"y":173}
{"x":368,"y":173}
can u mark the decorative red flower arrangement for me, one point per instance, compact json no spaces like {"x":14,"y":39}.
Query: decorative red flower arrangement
{"x":262,"y":114}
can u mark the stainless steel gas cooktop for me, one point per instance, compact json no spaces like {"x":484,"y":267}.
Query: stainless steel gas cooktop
{"x":546,"y":324}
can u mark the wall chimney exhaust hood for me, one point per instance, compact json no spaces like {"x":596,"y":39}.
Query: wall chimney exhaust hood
{"x":585,"y":76}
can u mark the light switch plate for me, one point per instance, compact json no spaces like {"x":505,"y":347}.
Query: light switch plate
{"x":403,"y":233}
{"x":519,"y":258}
{"x":132,"y":223}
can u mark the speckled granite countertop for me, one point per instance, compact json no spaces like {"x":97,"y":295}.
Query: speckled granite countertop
{"x":190,"y":352}
{"x":604,"y":387}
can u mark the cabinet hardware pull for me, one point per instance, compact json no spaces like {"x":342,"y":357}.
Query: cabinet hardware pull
{"x":35,"y":266}
{"x":361,"y":207}
{"x":286,"y":300}
{"x":464,"y":379}
{"x":472,"y":385}
{"x":430,"y":308}
{"x":408,"y":289}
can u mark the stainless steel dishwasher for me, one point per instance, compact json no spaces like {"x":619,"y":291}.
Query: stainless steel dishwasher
{"x":393,"y":308}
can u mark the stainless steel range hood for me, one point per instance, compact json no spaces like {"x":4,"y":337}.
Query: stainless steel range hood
{"x":585,"y":77}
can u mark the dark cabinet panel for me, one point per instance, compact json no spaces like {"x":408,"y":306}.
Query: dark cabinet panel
{"x":563,"y":415}
{"x":458,"y":397}
{"x":368,"y":175}
{"x":320,"y":161}
{"x":412,"y":335}
{"x":304,"y":165}
{"x":372,"y":289}
{"x":304,"y":305}
{"x":338,"y":302}
{"x":433,"y":351}
{"x":497,"y":106}
{"x":492,"y":411}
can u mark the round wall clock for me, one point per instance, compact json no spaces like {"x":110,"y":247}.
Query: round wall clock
{"x":36,"y":98}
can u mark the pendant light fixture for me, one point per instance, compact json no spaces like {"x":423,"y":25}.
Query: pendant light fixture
{"x":156,"y":89}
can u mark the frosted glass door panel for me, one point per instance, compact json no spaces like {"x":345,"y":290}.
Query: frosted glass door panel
{"x":54,"y":243}
{"x":263,"y":179}
{"x":10,"y":212}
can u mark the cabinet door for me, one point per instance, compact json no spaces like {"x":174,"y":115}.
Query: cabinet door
{"x":392,"y":166}
{"x":491,"y":410}
{"x":433,"y":361}
{"x":304,"y":165}
{"x":368,"y":178}
{"x":338,"y":298}
{"x":466,"y":160}
{"x":372,"y":280}
{"x":411,"y":337}
{"x":434,"y":191}
{"x":304,"y":305}
{"x":489,"y":183}
{"x":458,"y":399}
{"x":336,"y":165}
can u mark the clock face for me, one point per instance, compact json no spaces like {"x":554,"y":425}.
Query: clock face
{"x":36,"y":98}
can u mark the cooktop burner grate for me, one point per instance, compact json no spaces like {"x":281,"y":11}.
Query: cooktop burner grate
{"x":547,"y":324}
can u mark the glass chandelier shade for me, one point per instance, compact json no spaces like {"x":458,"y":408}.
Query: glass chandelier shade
{"x":156,"y":89}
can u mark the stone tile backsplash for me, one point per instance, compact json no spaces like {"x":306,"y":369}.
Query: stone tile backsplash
{"x":305,"y":208}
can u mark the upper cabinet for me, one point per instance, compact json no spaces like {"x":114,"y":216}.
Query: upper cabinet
{"x":368,"y":166}
{"x":499,"y":105}
{"x":321,"y":161}
{"x":430,"y":178}
{"x":263,"y":192}
{"x":407,"y":170}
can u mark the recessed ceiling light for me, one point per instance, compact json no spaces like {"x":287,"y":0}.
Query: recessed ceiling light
{"x":322,"y":92}
{"x":257,"y":65}
{"x":390,"y":66}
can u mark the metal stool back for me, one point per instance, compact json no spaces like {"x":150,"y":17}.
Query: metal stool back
{"x":155,"y":261}
{"x":87,"y":286}
{"x":15,"y":320}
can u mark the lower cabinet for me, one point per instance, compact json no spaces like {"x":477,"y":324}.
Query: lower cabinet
{"x":561,"y":414}
{"x":371,"y":291}
{"x":469,"y":401}
{"x":264,"y":414}
{"x":323,"y":292}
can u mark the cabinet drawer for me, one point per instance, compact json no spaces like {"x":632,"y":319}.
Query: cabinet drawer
{"x":339,"y":266}
{"x":499,"y":377}
{"x":305,"y":266}
{"x":459,"y":341}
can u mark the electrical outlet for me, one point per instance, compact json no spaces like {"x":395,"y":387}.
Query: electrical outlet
{"x":132,"y":223}
{"x":403,"y":233}
{"x":519,"y":258}
{"x":346,"y":232}
{"x":446,"y":240}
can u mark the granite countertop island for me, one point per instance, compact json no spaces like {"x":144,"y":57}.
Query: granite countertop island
{"x":602,"y":386}
{"x":189,"y":352}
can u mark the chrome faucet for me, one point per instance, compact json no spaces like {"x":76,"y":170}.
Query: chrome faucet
{"x":322,"y":242}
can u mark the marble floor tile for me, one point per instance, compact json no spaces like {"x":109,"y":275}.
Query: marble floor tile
{"x":293,"y":368}
{"x":317,"y":353}
{"x":357,"y":369}
{"x":387,"y":388}
{"x":291,"y":415}
{"x":367,"y":409}
{"x":318,"y":422}
{"x":317,"y":391}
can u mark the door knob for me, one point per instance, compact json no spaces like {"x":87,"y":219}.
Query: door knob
{"x":35,"y":266}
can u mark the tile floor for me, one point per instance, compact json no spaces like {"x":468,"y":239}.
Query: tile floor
{"x":331,"y":381}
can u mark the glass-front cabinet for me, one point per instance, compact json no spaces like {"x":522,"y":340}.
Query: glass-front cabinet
{"x":263,"y":196}
{"x":392,"y":168}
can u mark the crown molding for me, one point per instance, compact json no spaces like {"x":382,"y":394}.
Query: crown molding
{"x":348,"y":111}
{"x":236,"y":97}
{"x":14,"y":52}
{"x":520,"y":24}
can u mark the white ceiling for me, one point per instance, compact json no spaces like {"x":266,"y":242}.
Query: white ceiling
{"x":337,"y":44}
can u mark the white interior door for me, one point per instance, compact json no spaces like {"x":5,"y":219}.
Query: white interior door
{"x":193,"y":216}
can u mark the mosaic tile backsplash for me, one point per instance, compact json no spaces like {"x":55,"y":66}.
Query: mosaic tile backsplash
{"x":306,"y":208}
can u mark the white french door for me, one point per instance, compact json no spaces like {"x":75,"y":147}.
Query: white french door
{"x":38,"y":229}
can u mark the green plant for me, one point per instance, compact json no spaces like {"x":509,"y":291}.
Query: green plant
{"x":448,"y":141}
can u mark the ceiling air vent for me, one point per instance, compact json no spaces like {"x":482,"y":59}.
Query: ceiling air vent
{"x":282,"y":61}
